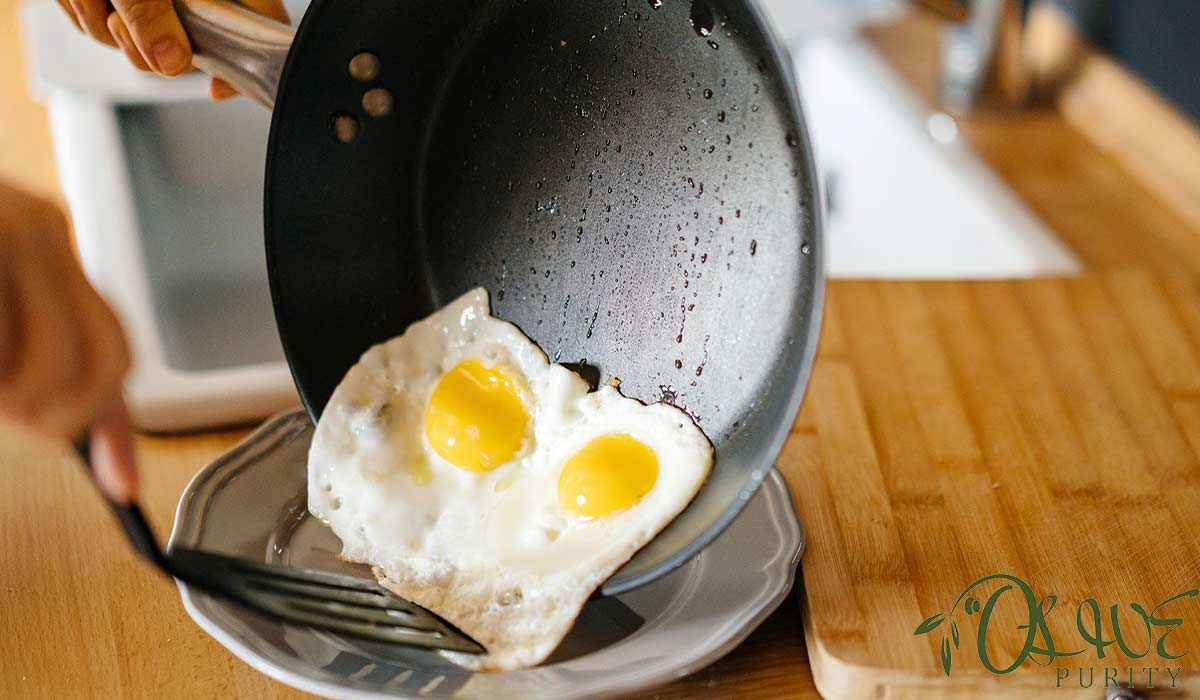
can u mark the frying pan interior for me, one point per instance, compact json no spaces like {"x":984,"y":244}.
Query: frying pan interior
{"x":631,"y":181}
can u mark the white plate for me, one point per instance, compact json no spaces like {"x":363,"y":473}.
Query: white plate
{"x":251,"y":503}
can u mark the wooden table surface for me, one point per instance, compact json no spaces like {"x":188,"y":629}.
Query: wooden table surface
{"x":1048,"y":429}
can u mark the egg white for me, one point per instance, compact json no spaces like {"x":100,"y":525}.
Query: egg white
{"x":489,"y":551}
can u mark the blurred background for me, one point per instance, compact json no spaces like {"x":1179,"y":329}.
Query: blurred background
{"x":955,"y":140}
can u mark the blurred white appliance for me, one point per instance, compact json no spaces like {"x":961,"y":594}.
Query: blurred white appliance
{"x":165,"y":193}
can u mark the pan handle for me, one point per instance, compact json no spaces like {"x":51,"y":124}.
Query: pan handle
{"x":242,"y":48}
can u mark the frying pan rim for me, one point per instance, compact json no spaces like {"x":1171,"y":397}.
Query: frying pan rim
{"x":307,"y":20}
{"x":813,"y":310}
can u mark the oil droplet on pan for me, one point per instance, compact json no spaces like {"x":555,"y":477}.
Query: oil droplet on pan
{"x":702,"y":19}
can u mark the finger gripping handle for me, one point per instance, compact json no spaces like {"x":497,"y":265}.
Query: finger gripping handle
{"x":233,"y":43}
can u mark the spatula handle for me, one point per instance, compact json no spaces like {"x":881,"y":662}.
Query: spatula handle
{"x":242,"y":48}
{"x":130,"y":516}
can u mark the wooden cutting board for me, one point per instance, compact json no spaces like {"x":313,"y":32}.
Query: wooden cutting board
{"x":1048,"y":430}
{"x":1044,"y":429}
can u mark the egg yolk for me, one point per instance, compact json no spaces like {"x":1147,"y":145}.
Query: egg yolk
{"x":611,"y":473}
{"x":475,"y":418}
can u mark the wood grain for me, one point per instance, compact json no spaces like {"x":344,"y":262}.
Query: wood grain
{"x":1154,"y":141}
{"x":81,"y":615}
{"x":1045,"y":428}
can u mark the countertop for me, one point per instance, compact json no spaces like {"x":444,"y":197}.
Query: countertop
{"x":948,"y":425}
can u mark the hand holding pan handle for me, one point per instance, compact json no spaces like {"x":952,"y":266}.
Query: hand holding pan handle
{"x":242,"y":48}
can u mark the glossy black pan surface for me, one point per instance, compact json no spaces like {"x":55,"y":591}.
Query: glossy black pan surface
{"x":632,"y":183}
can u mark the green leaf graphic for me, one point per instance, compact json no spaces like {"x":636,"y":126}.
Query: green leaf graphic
{"x":954,"y":632}
{"x":972,"y":606}
{"x":930,"y":624}
{"x":946,"y":655}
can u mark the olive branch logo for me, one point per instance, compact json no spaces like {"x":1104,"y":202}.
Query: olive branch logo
{"x":1039,"y":645}
{"x":933,"y":622}
{"x":929,"y":624}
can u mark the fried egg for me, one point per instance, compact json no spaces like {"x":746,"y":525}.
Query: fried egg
{"x":490,"y":486}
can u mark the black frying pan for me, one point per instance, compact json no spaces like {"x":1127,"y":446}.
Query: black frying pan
{"x":630,"y":179}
